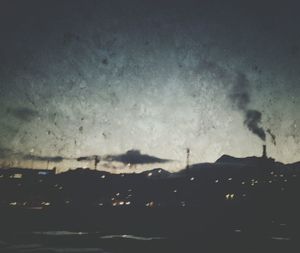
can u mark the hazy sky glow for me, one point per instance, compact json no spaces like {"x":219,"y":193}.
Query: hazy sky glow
{"x":81,"y":78}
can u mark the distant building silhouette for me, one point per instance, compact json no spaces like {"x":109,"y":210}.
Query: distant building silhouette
{"x":18,"y":173}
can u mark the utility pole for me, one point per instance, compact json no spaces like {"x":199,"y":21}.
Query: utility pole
{"x":97,"y":160}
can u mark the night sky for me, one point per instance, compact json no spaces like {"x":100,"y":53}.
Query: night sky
{"x":148,"y":78}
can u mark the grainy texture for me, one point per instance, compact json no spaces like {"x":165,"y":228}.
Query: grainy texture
{"x":104,"y":77}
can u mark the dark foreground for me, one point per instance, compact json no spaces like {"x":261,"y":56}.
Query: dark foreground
{"x":213,"y":229}
{"x":234,"y":205}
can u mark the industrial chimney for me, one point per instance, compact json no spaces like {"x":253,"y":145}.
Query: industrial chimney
{"x":264,"y":154}
{"x":187,"y":159}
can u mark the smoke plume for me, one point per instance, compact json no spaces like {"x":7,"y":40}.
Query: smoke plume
{"x":273,"y":137}
{"x":253,"y":121}
{"x":240,"y":97}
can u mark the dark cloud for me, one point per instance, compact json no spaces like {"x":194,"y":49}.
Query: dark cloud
{"x":23,"y":113}
{"x":5,"y":152}
{"x":135,"y":157}
{"x":8,"y":153}
{"x":9,"y":128}
{"x":55,"y":159}
{"x":87,"y":158}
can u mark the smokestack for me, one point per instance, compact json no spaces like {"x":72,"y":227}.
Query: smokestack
{"x":187,"y":159}
{"x":264,"y":154}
